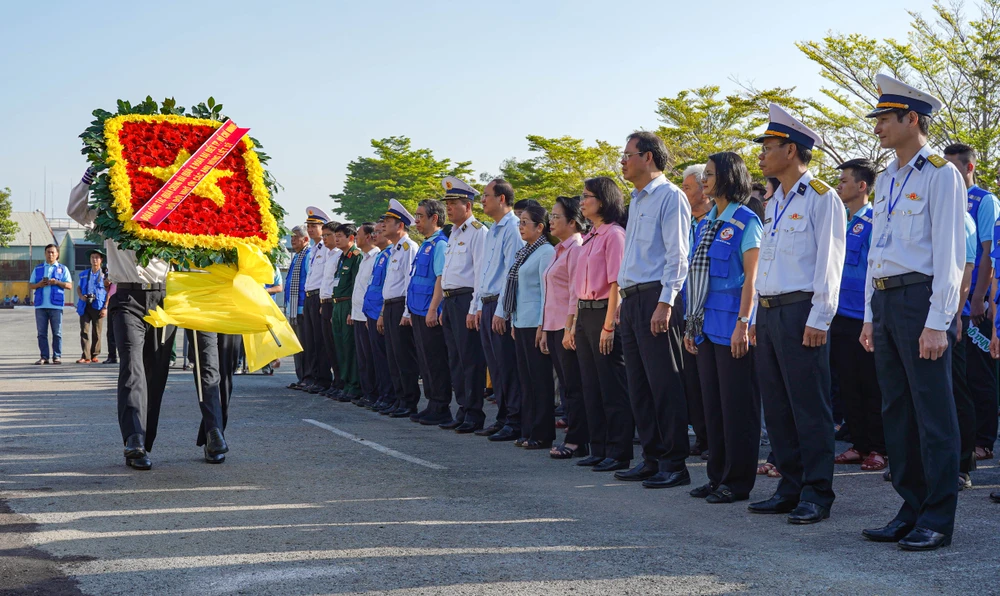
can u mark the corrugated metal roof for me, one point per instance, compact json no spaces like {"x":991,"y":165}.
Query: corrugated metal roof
{"x":31,"y":222}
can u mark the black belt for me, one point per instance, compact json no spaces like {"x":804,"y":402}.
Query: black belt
{"x":633,"y":290}
{"x":394,"y":300}
{"x":592,"y":304}
{"x":341,"y":299}
{"x":146,"y":287}
{"x":784,"y":299}
{"x":491,"y":298}
{"x":457,"y":292}
{"x":312,"y":293}
{"x":898,"y":281}
{"x":325,"y":300}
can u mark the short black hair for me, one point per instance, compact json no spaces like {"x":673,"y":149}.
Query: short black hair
{"x":923,"y":120}
{"x":758,"y":187}
{"x":571,"y":207}
{"x":367,"y":227}
{"x":862,"y":169}
{"x":347,"y":229}
{"x":965,"y":153}
{"x":331,"y":226}
{"x":48,"y":246}
{"x":612,"y":209}
{"x":647,"y":142}
{"x":433,"y":207}
{"x":538,"y":215}
{"x":804,"y":154}
{"x":524,"y":204}
{"x":732,"y":179}
{"x":502,"y":187}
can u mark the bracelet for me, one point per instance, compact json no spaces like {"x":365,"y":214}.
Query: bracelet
{"x":612,"y":330}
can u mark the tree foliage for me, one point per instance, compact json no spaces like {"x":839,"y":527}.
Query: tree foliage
{"x":8,"y":227}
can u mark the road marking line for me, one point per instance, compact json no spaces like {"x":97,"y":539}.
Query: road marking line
{"x":376,"y":446}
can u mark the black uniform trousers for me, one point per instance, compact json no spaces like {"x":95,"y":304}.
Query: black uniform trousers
{"x":213,"y":368}
{"x":732,"y":417}
{"x":692,"y":392}
{"x":655,"y":381}
{"x":465,"y":355}
{"x":298,"y":326}
{"x":317,"y":359}
{"x":366,"y":362}
{"x":568,"y":370}
{"x":402,"y":353}
{"x":965,"y":408}
{"x":795,"y":388}
{"x":982,"y":373}
{"x":921,"y":426}
{"x":329,"y":353}
{"x":538,"y":389}
{"x":501,"y":358}
{"x":432,"y":357}
{"x":112,"y":346}
{"x":854,"y":368}
{"x":380,"y":364}
{"x":144,"y":357}
{"x":605,"y":393}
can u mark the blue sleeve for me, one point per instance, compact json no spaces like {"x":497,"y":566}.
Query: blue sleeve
{"x":970,"y":239}
{"x":277,"y":276}
{"x":987,"y":217}
{"x":34,"y":276}
{"x":66,"y":276}
{"x":752,"y":235}
{"x":439,"y":250}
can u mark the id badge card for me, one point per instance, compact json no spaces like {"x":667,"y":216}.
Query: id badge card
{"x":768,"y":247}
{"x":884,"y":238}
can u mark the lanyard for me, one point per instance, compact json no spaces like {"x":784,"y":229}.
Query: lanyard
{"x":778,"y":216}
{"x":892,"y":203}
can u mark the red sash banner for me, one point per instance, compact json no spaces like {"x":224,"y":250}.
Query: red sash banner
{"x":194,"y":170}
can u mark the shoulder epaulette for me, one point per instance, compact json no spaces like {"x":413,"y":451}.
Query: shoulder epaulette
{"x":819,"y":186}
{"x":477,"y":224}
{"x":937,"y":161}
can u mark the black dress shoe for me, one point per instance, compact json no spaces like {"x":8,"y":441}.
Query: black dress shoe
{"x":610,"y":465}
{"x":641,"y":472}
{"x":134,"y":446}
{"x":702,"y":491}
{"x":773,"y":505}
{"x":345,"y":397}
{"x":416,"y":416}
{"x":668,"y":479}
{"x":504,"y":434}
{"x":489,"y":430}
{"x":402,"y":412}
{"x":924,"y":539}
{"x":111,"y":361}
{"x":215,"y":447}
{"x":388,"y":409}
{"x":139,"y":463}
{"x":453,"y":425}
{"x":436,"y":419}
{"x":591,"y":460}
{"x":294,"y":386}
{"x":378,"y":406}
{"x":808,"y":513}
{"x":469,"y":427}
{"x":894,"y":531}
{"x":724,"y":495}
{"x":995,"y":496}
{"x":314,"y":389}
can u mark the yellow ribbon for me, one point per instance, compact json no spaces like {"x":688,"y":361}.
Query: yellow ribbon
{"x":231,"y":300}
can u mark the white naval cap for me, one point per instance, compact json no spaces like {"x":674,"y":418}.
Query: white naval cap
{"x":456,"y":188}
{"x":397,"y":210}
{"x":315,"y":215}
{"x":897,"y":95}
{"x":785,"y":126}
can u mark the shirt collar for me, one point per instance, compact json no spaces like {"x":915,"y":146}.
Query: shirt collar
{"x":918,"y":156}
{"x":506,"y":219}
{"x":649,"y":188}
{"x":434,"y":235}
{"x":374,"y":251}
{"x":403,"y":240}
{"x":804,"y":181}
{"x":574,"y":239}
{"x":863,"y":211}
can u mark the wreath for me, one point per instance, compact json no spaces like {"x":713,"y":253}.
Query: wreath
{"x":134,"y":151}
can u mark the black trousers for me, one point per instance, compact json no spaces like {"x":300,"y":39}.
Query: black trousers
{"x":568,"y":370}
{"x":732,"y":416}
{"x":465,"y":355}
{"x":605,"y":393}
{"x":692,"y":392}
{"x":982,"y":374}
{"x":213,"y":369}
{"x":538,"y":390}
{"x":380,"y":364}
{"x":366,"y":363}
{"x":795,"y":388}
{"x":918,"y":408}
{"x":402,"y":353}
{"x":317,"y":360}
{"x":432,"y":357}
{"x":654,"y":367}
{"x":329,"y":352}
{"x":144,"y":356}
{"x":501,"y":358}
{"x":298,"y":326}
{"x":854,"y":368}
{"x":965,"y":408}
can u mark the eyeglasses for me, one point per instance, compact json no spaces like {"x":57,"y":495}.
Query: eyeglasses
{"x":556,"y":216}
{"x":627,"y":156}
{"x":764,"y":149}
{"x":588,"y":196}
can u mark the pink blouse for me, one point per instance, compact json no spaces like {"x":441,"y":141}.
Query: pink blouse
{"x":560,"y":287}
{"x":599,"y":261}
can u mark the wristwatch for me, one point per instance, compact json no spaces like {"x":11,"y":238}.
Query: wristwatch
{"x":744,"y":320}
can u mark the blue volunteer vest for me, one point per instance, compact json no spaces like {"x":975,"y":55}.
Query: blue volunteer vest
{"x":725,"y":276}
{"x":87,"y":279}
{"x":58,"y":295}
{"x":421,"y":289}
{"x":373,"y":295}
{"x":976,"y":195}
{"x":852,"y":283}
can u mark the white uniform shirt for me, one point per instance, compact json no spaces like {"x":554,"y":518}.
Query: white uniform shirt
{"x":123,"y":267}
{"x":804,"y":247}
{"x":924,"y":234}
{"x":317,"y":262}
{"x":361,"y":283}
{"x":397,"y":275}
{"x":330,"y":268}
{"x":462,"y":258}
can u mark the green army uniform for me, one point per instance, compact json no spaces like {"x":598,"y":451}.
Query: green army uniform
{"x":343,"y":335}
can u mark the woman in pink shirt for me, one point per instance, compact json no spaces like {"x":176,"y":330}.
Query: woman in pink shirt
{"x":598,"y":346}
{"x":559,"y":314}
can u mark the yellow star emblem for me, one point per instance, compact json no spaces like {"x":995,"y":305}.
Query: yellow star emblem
{"x":208,"y":188}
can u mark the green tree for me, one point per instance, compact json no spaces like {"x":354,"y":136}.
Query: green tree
{"x":396,"y":172}
{"x":8,"y":227}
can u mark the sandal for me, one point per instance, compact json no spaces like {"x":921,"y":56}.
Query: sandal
{"x":83,"y":361}
{"x":765,"y":469}
{"x":42,"y":361}
{"x":773,"y":473}
{"x":983,"y":453}
{"x":95,"y":360}
{"x":520,"y":441}
{"x":851,"y":456}
{"x":56,"y":361}
{"x":874,"y":462}
{"x":535,"y":444}
{"x":563,"y":452}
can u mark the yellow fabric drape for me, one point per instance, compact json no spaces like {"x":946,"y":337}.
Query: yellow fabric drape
{"x":232,"y":300}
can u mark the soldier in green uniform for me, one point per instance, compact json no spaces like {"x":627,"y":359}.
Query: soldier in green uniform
{"x":343,"y":288}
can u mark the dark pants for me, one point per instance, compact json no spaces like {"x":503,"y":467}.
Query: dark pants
{"x":91,"y":328}
{"x":211,"y":355}
{"x":366,"y":363}
{"x":655,"y":382}
{"x":538,"y":391}
{"x":298,"y":326}
{"x":918,"y":408}
{"x":501,"y":358}
{"x":982,"y":371}
{"x":568,"y":370}
{"x":144,"y":355}
{"x":402,"y":353}
{"x":329,"y":352}
{"x":795,"y":388}
{"x":432,"y":357}
{"x":693,"y":394}
{"x":732,"y":416}
{"x":345,"y":352}
{"x":380,"y":364}
{"x":605,"y":393}
{"x":317,"y":360}
{"x":858,"y":385}
{"x":465,"y":355}
{"x":965,"y":408}
{"x":112,"y":346}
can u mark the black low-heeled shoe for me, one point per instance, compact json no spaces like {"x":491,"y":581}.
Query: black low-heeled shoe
{"x":591,"y":460}
{"x":610,"y":465}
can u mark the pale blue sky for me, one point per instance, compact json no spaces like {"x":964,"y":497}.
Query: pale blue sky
{"x":316,"y":81}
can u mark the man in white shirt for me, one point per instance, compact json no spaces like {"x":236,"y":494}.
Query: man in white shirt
{"x":357,"y":319}
{"x":330,"y":262}
{"x":317,"y":359}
